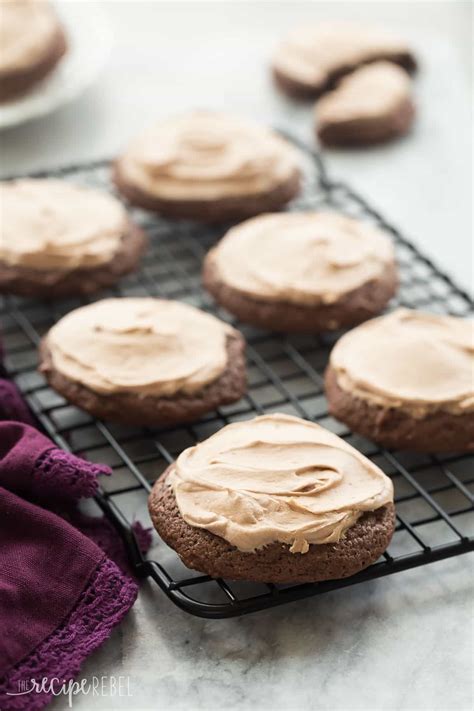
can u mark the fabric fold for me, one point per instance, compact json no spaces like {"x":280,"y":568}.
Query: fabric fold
{"x":61,"y":594}
{"x":31,"y":466}
{"x":45,"y":564}
{"x":12,"y":405}
{"x":105,"y":600}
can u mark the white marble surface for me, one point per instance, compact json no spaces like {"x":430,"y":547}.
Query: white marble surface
{"x":402,"y":643}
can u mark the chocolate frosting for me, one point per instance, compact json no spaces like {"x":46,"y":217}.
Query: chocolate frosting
{"x":207,"y":155}
{"x":302,"y":258}
{"x":143,"y":345}
{"x":312,"y":55}
{"x":276,"y":478}
{"x":27,"y":29}
{"x":418,"y":361}
{"x":51,"y":224}
{"x":376,"y":90}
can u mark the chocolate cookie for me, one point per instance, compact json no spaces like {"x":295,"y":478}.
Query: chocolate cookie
{"x":51,"y":284}
{"x":405,"y":381}
{"x":265,"y":506}
{"x":57,"y":239}
{"x":371,"y":105}
{"x":200,"y":550}
{"x":144,"y":361}
{"x":311,"y":60}
{"x":33,"y":42}
{"x":308,"y":272}
{"x":210,"y":167}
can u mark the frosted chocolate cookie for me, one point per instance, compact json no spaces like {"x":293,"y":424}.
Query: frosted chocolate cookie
{"x":406,"y":380}
{"x":302,"y":271}
{"x":371,"y":105}
{"x":59,"y":239}
{"x":209,"y":166}
{"x":144,"y":361}
{"x":32,"y":41}
{"x":274,"y":499}
{"x":311,"y":59}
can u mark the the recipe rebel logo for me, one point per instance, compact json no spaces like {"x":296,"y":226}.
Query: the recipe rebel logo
{"x":111,"y":686}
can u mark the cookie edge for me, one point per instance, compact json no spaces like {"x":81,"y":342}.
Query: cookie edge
{"x":14,"y":85}
{"x":265,"y":565}
{"x":56,"y":284}
{"x":305,"y":92}
{"x":210,"y":211}
{"x":395,"y":428}
{"x":148,"y":410}
{"x":287,"y":317}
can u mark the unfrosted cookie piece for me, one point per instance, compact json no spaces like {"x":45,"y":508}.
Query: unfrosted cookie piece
{"x":58,"y":239}
{"x":274,"y":499}
{"x":144,"y":361}
{"x":405,"y":380}
{"x":32,"y":41}
{"x":302,"y":271}
{"x":371,"y":105}
{"x":209,"y":166}
{"x":311,"y":59}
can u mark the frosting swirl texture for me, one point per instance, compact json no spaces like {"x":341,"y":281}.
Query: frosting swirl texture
{"x":50,"y":224}
{"x":276,"y":478}
{"x":143,"y":345}
{"x":418,"y":361}
{"x":27,"y":29}
{"x":305,"y":257}
{"x":208,"y":155}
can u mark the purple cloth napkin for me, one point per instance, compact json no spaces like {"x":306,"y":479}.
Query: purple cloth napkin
{"x":12,"y":406}
{"x":60,"y":594}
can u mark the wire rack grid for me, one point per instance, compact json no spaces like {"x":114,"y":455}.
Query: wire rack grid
{"x":433,"y":494}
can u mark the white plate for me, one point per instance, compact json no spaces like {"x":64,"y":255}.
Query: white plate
{"x":89,"y":43}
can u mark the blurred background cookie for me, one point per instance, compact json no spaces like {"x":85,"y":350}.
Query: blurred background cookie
{"x":302,"y":271}
{"x":209,"y":166}
{"x":144,"y":361}
{"x":274,"y":499}
{"x":370,"y":105}
{"x":311,"y":59}
{"x":405,"y":380}
{"x":32,"y":41}
{"x":58,"y":239}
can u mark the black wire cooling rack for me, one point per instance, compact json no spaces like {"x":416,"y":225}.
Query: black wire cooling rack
{"x":434,"y":494}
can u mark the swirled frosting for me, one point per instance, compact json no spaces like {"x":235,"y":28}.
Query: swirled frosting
{"x":142,"y":345}
{"x":208,"y":155}
{"x":311,"y":55}
{"x":376,"y":90}
{"x":417,"y":361}
{"x":303,"y":258}
{"x":27,"y":29}
{"x":276,"y":478}
{"x":49,"y":224}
